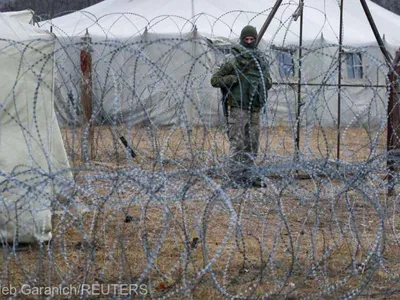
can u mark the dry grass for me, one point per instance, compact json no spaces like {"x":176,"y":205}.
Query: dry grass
{"x":284,"y":245}
{"x":202,"y":145}
{"x":265,"y":254}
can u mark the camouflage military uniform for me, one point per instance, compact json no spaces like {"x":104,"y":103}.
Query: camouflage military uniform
{"x":244,"y":77}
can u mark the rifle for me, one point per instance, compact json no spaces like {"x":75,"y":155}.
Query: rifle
{"x":224,"y":101}
{"x":129,"y":148}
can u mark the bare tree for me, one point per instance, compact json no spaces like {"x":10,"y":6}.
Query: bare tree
{"x":50,"y":8}
{"x":46,"y":8}
{"x":392,"y":5}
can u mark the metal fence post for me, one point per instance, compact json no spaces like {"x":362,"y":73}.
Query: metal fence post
{"x":393,"y":127}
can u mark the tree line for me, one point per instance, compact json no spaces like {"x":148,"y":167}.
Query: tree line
{"x":47,"y":9}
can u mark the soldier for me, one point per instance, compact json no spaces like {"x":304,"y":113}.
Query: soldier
{"x":244,"y":79}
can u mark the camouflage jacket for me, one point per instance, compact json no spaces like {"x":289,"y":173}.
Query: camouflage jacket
{"x":244,"y":75}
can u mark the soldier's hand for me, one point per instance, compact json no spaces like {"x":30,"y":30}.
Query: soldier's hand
{"x":230,"y":80}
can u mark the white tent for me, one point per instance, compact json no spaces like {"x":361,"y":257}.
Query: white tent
{"x":150,"y":63}
{"x":33,"y":162}
{"x":23,"y":16}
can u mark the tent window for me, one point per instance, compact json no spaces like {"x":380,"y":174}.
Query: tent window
{"x":285,"y":63}
{"x":354,"y":65}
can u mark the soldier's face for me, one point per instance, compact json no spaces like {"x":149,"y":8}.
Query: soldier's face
{"x":249,"y":39}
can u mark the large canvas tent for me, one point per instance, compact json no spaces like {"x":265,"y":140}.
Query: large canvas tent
{"x":23,"y":16}
{"x":33,"y":163}
{"x":153,"y":59}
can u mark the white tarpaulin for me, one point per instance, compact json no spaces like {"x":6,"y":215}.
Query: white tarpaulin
{"x":33,"y":161}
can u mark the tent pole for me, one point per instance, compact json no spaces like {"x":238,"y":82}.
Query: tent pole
{"x":87,"y":97}
{"x":386,"y":54}
{"x":268,"y":21}
{"x":393,"y":126}
{"x":193,"y":11}
{"x":393,"y":113}
{"x":299,"y":104}
{"x":339,"y":80}
{"x":194,"y":54}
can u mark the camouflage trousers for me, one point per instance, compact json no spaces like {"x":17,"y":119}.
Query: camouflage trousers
{"x":243,"y":133}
